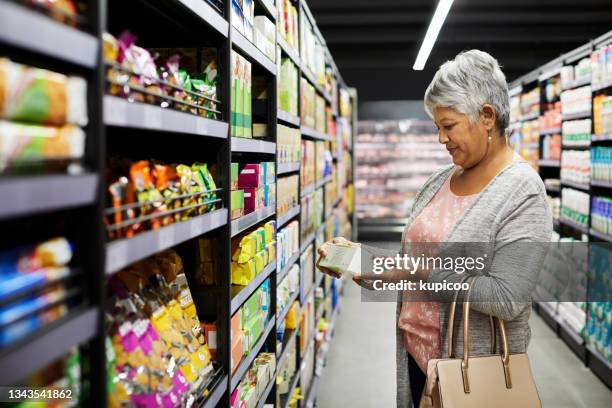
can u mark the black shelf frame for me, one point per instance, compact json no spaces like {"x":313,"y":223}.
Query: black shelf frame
{"x":111,"y":117}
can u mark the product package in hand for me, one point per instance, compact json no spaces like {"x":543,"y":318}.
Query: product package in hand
{"x":342,"y":258}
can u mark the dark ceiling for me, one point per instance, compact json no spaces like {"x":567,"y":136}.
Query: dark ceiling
{"x":375,"y":42}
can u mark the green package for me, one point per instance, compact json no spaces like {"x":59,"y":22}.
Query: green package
{"x":234,"y":176}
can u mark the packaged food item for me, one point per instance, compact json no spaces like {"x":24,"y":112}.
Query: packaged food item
{"x":37,"y":95}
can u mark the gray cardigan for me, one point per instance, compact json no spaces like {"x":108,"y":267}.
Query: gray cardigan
{"x":511,"y":209}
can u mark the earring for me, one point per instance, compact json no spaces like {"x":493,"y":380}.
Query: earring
{"x":490,"y":137}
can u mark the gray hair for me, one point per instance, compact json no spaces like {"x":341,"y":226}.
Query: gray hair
{"x":466,"y":83}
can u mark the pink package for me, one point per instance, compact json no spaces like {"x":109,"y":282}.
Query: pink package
{"x":250,"y":200}
{"x":251,"y":176}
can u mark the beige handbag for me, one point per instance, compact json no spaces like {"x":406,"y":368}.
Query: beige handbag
{"x":498,"y":381}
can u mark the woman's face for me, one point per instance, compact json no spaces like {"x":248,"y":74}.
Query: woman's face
{"x":465,"y":142}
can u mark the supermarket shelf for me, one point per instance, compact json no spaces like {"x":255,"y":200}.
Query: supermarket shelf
{"x":286,"y":340}
{"x":322,"y":182}
{"x":251,"y":51}
{"x":249,"y":289}
{"x":287,"y":397}
{"x":307,"y":190}
{"x":287,"y":117}
{"x":251,"y":219}
{"x":121,"y":112}
{"x":270,"y":8}
{"x":264,"y":395}
{"x":553,"y":189}
{"x":576,"y":147}
{"x":601,"y":183}
{"x":244,"y":145}
{"x":577,"y":186}
{"x":207,"y":13}
{"x":601,"y":138}
{"x":307,"y":242}
{"x":285,"y":311}
{"x":306,"y":73}
{"x":578,"y":83}
{"x":21,"y":195}
{"x":286,"y":217}
{"x":573,"y":340}
{"x":601,"y":85}
{"x":548,"y":315}
{"x":217,"y":393}
{"x":549,"y":163}
{"x":284,"y":168}
{"x":577,"y":115}
{"x":287,"y":49}
{"x":308,"y":132}
{"x":282,"y":273}
{"x":574,"y":225}
{"x":530,"y":116}
{"x":248,"y":360}
{"x":600,"y":366}
{"x":550,"y":131}
{"x":600,"y":235}
{"x":124,"y":252}
{"x":23,"y":28}
{"x":47,"y":344}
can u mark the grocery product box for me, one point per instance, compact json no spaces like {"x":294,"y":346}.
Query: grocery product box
{"x":251,"y":176}
{"x":234,"y":171}
{"x":251,"y":307}
{"x":237,"y":204}
{"x":236,"y":351}
{"x":253,"y":329}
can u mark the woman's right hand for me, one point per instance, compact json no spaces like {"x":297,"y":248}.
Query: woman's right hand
{"x":322,"y":251}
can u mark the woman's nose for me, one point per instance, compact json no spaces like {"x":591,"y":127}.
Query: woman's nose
{"x":442,"y":138}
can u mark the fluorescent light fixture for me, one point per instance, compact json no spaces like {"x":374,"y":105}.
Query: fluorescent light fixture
{"x":432,"y":33}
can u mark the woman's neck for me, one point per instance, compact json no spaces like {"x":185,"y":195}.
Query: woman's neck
{"x":498,"y":156}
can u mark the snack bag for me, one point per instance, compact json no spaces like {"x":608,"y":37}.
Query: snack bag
{"x":37,"y":95}
{"x":143,"y":69}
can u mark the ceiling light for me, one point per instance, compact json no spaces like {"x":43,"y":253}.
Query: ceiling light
{"x":432,"y":33}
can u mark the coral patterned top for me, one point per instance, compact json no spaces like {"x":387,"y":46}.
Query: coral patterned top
{"x":420,"y":320}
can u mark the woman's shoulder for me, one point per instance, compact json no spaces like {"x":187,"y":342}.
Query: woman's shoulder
{"x":521,"y":177}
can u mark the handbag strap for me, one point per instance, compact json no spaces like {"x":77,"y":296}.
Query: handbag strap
{"x":466,"y":345}
{"x":451,"y":322}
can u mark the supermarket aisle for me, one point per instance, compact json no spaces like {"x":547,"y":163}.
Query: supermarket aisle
{"x":360,"y":370}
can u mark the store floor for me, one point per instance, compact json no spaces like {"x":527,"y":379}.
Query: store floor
{"x":360,"y":371}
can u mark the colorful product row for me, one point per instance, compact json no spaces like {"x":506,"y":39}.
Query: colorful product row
{"x":288,"y":239}
{"x":157,"y":344}
{"x":288,"y":144}
{"x":288,"y":197}
{"x":287,"y":22}
{"x":288,"y":86}
{"x":248,"y":323}
{"x":158,"y":188}
{"x":252,"y":252}
{"x":241,"y":94}
{"x":576,"y":166}
{"x":601,"y":166}
{"x":575,"y":206}
{"x":250,"y":390}
{"x":577,"y":132}
{"x":601,"y":214}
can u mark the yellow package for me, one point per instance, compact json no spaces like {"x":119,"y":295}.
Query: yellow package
{"x":293,"y":317}
{"x":269,"y":229}
{"x":260,"y":235}
{"x":189,"y":371}
{"x":271,"y":247}
{"x":266,"y":256}
{"x":243,"y":273}
{"x":244,"y":249}
{"x":260,"y":261}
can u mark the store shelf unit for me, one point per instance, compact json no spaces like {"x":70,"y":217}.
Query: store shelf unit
{"x":137,"y":128}
{"x":551,"y":169}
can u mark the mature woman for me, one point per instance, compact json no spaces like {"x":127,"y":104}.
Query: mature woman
{"x":489,"y":196}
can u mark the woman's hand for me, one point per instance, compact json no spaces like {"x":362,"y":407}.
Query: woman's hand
{"x":322,"y":251}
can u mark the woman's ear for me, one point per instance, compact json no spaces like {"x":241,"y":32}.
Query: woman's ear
{"x":488,"y":116}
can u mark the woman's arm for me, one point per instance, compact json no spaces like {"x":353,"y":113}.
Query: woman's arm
{"x":522,"y":241}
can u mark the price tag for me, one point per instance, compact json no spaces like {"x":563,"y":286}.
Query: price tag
{"x":196,"y":227}
{"x":165,"y":239}
{"x":152,"y":117}
{"x":115,"y":111}
{"x":116,"y":257}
